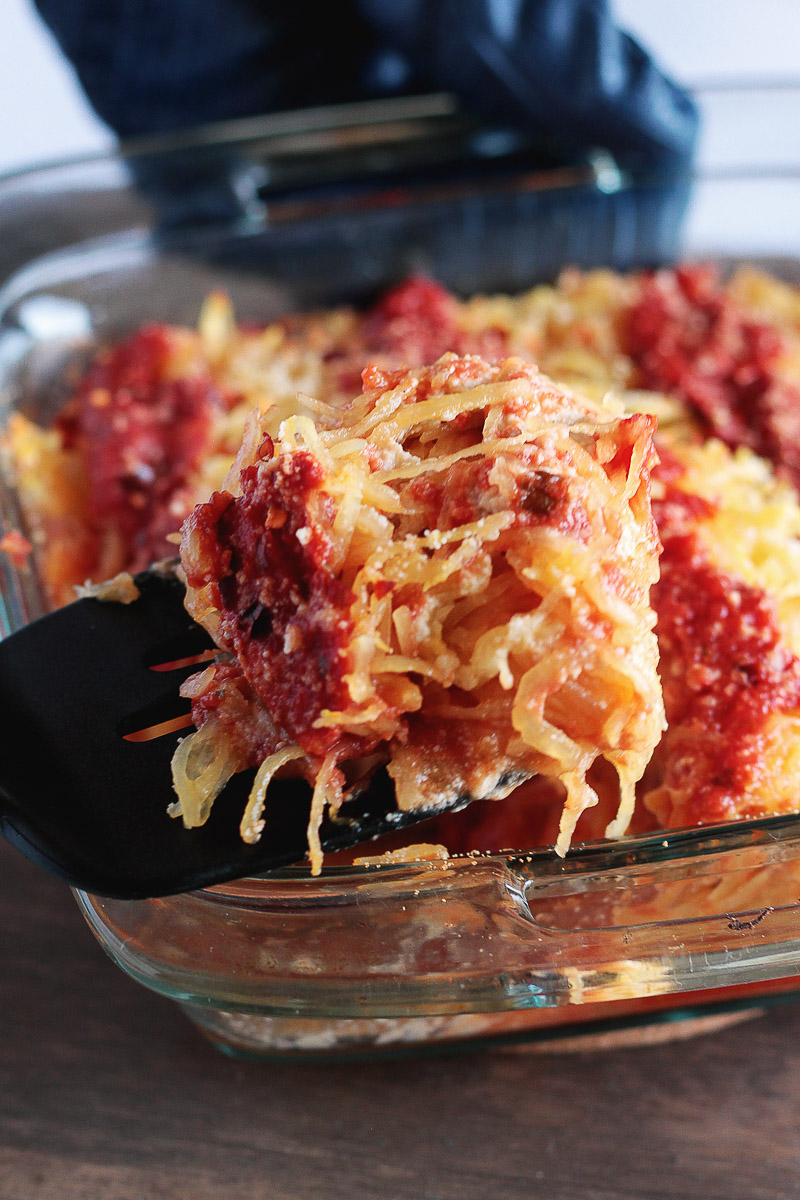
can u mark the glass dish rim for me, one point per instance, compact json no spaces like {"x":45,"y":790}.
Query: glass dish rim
{"x":321,"y":119}
{"x":583,"y":858}
{"x":239,"y":131}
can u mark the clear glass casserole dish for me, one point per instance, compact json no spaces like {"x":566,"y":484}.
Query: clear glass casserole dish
{"x":308,"y":210}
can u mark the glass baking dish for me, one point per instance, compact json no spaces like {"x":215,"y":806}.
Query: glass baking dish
{"x":313,"y":209}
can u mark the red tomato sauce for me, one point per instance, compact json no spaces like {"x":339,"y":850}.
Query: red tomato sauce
{"x":723,"y":668}
{"x":416,"y":322}
{"x":140,"y":434}
{"x":283,"y":612}
{"x":690,"y":340}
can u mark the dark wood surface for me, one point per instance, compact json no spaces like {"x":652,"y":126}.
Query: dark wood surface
{"x":107,"y":1093}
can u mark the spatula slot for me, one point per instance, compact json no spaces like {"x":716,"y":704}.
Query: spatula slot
{"x":191,"y":660}
{"x":194,"y":645}
{"x":160,"y":730}
{"x":163,"y":716}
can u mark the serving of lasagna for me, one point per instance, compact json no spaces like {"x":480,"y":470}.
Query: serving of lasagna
{"x":415,"y":549}
{"x":451,"y":574}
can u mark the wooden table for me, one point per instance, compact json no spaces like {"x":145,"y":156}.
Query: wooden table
{"x":107,"y":1093}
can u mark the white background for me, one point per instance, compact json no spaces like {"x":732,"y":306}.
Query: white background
{"x":43,"y":114}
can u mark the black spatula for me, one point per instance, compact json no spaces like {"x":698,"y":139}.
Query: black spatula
{"x":91,"y":806}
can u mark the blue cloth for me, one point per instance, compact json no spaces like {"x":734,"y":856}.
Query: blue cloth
{"x":561,"y":67}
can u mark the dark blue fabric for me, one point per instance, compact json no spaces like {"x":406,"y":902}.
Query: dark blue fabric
{"x":559,"y":66}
